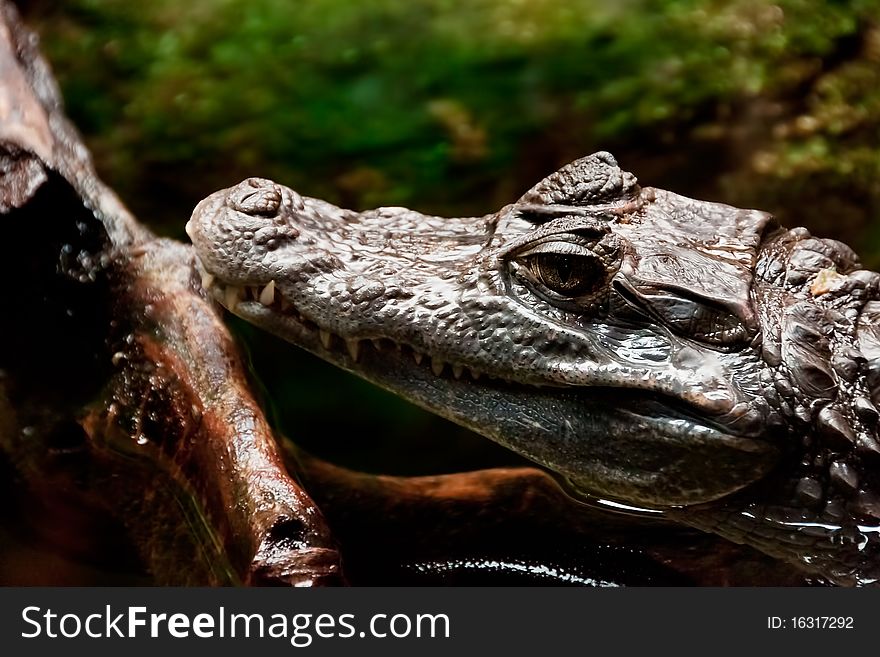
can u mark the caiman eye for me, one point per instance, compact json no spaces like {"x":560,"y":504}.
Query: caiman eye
{"x":566,"y":274}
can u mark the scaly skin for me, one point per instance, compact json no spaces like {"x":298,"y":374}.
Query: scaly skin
{"x":652,"y":349}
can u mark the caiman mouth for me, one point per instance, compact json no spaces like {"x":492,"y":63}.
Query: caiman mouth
{"x":266,"y":301}
{"x":624,"y":443}
{"x":267,"y":304}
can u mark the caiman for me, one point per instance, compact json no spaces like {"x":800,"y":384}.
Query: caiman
{"x":652,"y":350}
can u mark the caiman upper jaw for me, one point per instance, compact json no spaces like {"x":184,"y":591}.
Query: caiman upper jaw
{"x":252,"y":301}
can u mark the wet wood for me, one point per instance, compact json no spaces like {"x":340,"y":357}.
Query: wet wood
{"x":121,"y":389}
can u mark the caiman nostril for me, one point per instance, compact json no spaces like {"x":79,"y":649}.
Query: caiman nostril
{"x":256,"y":196}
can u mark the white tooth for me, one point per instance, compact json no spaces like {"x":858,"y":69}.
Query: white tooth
{"x":377,"y":344}
{"x":457,"y":371}
{"x":207,"y":280}
{"x":354,"y":348}
{"x":476,"y":374}
{"x":267,"y":296}
{"x":232,"y":295}
{"x":437,"y":366}
{"x":418,"y":357}
{"x":326,"y":338}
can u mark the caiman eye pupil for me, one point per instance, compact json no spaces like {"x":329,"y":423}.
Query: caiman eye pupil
{"x":569,"y":275}
{"x":563,"y":269}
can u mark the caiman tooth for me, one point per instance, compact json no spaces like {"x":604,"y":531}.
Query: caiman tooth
{"x":476,"y":374}
{"x":232,"y":295}
{"x":267,"y":296}
{"x":377,"y":343}
{"x":354,"y":349}
{"x":457,"y":371}
{"x":326,"y":338}
{"x":437,"y":366}
{"x":285,"y":304}
{"x":207,"y":279}
{"x":418,"y":356}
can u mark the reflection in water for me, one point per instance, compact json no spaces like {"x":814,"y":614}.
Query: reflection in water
{"x":625,"y":508}
{"x":511,"y":567}
{"x":593,"y":502}
{"x":859,"y":535}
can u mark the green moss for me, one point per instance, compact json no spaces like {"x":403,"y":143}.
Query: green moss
{"x":456,"y":107}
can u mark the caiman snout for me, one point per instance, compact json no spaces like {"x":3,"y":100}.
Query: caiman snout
{"x":235,"y":228}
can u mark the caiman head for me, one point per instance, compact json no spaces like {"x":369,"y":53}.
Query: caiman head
{"x":649,"y":348}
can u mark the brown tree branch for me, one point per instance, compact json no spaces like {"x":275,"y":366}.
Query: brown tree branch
{"x":121,"y":387}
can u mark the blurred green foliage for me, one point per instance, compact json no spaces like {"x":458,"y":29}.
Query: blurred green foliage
{"x":459,"y":106}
